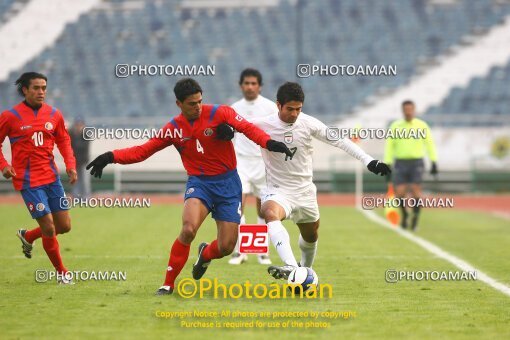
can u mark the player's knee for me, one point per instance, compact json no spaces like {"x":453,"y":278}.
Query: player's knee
{"x":269,"y":215}
{"x":47,"y":229}
{"x":64,"y":228}
{"x":226,"y":247}
{"x":63,"y":224}
{"x":188,"y":232}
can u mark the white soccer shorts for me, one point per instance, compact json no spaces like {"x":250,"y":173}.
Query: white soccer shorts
{"x":299,"y":207}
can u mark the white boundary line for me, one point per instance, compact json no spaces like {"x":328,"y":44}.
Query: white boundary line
{"x":432,"y":248}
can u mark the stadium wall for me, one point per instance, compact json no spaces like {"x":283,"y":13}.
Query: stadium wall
{"x":467,"y":162}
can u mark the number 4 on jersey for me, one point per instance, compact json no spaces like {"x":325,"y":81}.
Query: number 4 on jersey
{"x":199,"y":147}
{"x":294,"y":149}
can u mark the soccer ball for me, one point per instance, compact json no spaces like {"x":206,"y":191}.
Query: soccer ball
{"x":302,"y":279}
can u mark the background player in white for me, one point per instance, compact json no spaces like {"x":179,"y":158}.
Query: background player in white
{"x":290,"y":192}
{"x":250,"y":165}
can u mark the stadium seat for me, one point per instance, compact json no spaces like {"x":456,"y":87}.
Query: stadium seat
{"x":81,"y":64}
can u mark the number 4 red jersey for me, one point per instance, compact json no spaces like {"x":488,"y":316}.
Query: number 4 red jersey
{"x":201,"y":152}
{"x":33,"y":134}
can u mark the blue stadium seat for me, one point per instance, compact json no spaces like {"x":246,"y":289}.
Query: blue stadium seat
{"x":488,"y":95}
{"x":399,"y":32}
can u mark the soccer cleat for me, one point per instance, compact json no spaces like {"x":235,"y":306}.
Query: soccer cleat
{"x":165,"y":290}
{"x":282,"y":272}
{"x":200,"y":267}
{"x":264,"y":259}
{"x":25,"y":245}
{"x":238,"y":258}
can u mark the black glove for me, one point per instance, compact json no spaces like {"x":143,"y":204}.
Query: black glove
{"x":378,"y":167}
{"x":99,"y":163}
{"x":275,"y":146}
{"x":224,"y":132}
{"x":433,"y":170}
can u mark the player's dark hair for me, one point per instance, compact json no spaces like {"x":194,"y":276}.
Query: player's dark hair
{"x":290,"y":92}
{"x":185,"y":88}
{"x":250,"y":72}
{"x":407,"y":102}
{"x":25,"y":78}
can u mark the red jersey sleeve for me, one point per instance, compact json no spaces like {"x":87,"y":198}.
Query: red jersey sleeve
{"x":251,"y":131}
{"x":4,"y":132}
{"x":140,"y":153}
{"x":63,"y":142}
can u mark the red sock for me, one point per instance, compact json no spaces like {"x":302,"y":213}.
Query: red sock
{"x":50,"y":245}
{"x":178,"y":257}
{"x":212,"y":251}
{"x":32,"y":235}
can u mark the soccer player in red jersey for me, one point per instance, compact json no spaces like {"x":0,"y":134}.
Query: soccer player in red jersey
{"x":202,"y":135}
{"x":33,"y":128}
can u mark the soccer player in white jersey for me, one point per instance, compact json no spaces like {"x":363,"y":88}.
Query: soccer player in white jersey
{"x":249,"y":159}
{"x":290,"y":192}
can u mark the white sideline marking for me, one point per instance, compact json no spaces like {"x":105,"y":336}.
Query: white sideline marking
{"x":432,"y":248}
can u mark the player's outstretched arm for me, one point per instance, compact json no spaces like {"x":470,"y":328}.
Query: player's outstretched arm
{"x":275,"y":146}
{"x":99,"y":163}
{"x":225,"y":132}
{"x":235,"y":120}
{"x":323,"y":133}
{"x":251,"y":131}
{"x":130,"y":155}
{"x":320,"y":131}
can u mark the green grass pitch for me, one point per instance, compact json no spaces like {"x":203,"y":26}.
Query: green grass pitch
{"x":353,"y":256}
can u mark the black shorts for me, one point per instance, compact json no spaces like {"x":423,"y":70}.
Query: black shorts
{"x":408,"y":171}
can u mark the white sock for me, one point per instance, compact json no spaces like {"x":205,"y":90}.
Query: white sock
{"x":308,"y":251}
{"x":281,"y":241}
